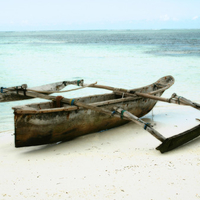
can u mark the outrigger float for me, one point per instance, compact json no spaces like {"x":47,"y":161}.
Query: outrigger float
{"x":62,"y":119}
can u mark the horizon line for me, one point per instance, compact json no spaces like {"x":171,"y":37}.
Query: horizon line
{"x":122,"y":29}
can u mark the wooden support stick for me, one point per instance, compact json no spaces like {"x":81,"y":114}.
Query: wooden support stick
{"x":174,"y":99}
{"x":50,"y":92}
{"x":66,"y":100}
{"x":178,"y":100}
{"x":140,"y":122}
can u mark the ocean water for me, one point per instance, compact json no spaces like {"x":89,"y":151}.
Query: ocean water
{"x":119,"y":58}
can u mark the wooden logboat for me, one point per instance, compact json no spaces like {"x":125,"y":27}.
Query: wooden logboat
{"x":51,"y":122}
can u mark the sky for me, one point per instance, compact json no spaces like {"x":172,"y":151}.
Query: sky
{"x":33,"y":15}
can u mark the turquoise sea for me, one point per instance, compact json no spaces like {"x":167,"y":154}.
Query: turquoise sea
{"x":120,"y":58}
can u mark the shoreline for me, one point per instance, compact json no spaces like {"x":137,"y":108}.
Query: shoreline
{"x":120,"y":163}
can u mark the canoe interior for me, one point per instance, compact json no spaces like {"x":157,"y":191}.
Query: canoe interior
{"x":42,"y":107}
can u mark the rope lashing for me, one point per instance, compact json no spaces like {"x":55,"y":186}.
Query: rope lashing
{"x":78,"y":82}
{"x":58,"y":101}
{"x":113,"y":112}
{"x":24,"y":90}
{"x":179,"y":99}
{"x":145,"y":126}
{"x":2,"y":89}
{"x":21,"y":88}
{"x":122,"y":113}
{"x":17,"y":90}
{"x":173,"y":96}
{"x":75,"y":82}
{"x":71,"y":102}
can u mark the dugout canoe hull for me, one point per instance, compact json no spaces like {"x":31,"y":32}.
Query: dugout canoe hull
{"x":44,"y":123}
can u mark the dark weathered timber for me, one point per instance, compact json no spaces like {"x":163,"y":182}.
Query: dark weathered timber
{"x":179,"y":139}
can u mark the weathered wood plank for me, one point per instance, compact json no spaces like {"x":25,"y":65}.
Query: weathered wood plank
{"x":179,"y":139}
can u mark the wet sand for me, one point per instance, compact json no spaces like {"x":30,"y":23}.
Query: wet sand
{"x":121,"y":163}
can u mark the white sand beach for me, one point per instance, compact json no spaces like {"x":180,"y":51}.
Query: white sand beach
{"x":121,"y":163}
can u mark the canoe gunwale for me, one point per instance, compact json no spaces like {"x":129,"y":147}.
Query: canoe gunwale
{"x":124,"y":98}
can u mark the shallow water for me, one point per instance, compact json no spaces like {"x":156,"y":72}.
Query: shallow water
{"x":128,"y":59}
